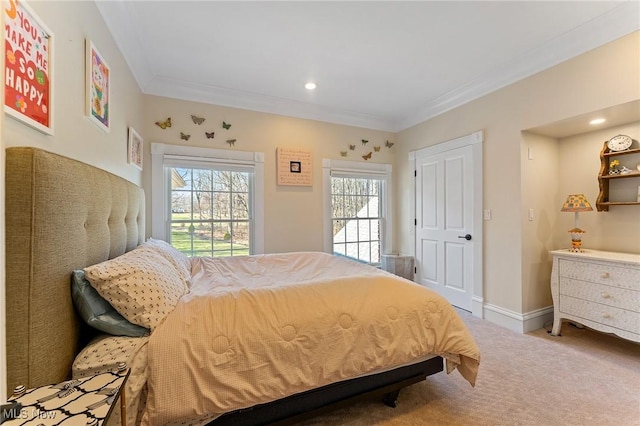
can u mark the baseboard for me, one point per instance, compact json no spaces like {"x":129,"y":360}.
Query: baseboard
{"x":521,"y":323}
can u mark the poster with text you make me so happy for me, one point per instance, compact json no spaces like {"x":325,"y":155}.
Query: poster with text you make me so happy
{"x":27,"y":74}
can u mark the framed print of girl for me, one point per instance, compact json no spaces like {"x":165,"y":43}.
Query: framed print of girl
{"x":98,"y":85}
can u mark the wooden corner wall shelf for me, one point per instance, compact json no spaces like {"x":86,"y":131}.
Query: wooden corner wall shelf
{"x":604,"y":178}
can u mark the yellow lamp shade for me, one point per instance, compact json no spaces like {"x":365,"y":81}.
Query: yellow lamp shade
{"x":576,"y":203}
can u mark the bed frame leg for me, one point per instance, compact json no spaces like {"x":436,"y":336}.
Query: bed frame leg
{"x":390,"y":399}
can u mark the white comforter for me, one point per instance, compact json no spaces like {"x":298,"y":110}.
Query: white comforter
{"x":258,"y":328}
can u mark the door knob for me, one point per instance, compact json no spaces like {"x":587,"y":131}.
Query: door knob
{"x":466,"y":237}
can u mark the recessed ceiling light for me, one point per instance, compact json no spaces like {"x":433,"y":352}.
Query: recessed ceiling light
{"x":310,"y":86}
{"x":597,"y":121}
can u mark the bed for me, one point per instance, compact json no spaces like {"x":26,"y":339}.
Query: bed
{"x":63,"y":215}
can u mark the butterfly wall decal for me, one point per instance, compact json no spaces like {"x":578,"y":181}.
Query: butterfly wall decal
{"x":364,"y":142}
{"x":376,"y":148}
{"x":185,"y":137}
{"x":164,"y":124}
{"x":343,"y":153}
{"x":197,"y":120}
{"x":226,"y":125}
{"x":231,"y":142}
{"x":352,"y":147}
{"x":210,"y":135}
{"x":366,"y":157}
{"x":388,"y":144}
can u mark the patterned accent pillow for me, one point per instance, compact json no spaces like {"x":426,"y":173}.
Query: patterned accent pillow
{"x":179,"y":260}
{"x":142,"y":285}
{"x":97,"y":312}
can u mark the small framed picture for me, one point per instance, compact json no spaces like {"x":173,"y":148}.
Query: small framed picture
{"x":98,"y":86}
{"x":134,"y":149}
{"x":295,"y":167}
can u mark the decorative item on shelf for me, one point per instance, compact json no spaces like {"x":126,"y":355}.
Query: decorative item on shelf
{"x":624,"y":170}
{"x":576,"y":203}
{"x":613,"y":167}
{"x":619,"y":143}
{"x":226,"y":125}
{"x":197,"y":120}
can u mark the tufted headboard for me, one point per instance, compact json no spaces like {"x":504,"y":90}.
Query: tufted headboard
{"x":61,"y":215}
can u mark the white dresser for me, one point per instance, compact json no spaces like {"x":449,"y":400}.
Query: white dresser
{"x":598,"y":289}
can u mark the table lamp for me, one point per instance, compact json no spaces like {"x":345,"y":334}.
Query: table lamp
{"x":576,"y":203}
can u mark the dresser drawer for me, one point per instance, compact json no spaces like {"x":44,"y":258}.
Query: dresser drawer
{"x":600,"y":273}
{"x":603,"y":314}
{"x":604,"y":294}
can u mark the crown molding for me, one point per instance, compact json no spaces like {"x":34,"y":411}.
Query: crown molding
{"x":172,"y":88}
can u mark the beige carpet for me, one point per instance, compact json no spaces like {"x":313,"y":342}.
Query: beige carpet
{"x":581,"y":378}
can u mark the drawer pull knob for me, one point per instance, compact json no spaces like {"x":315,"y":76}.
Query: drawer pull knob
{"x":605,"y":275}
{"x":606,"y":296}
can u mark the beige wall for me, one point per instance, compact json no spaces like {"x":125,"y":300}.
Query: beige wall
{"x":540,"y":193}
{"x":589,"y":82}
{"x":293,"y":215}
{"x":75,"y":136}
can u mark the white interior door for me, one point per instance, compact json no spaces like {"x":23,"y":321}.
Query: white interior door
{"x":445,"y":243}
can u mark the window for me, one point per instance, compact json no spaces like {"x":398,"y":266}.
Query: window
{"x":356,"y":205}
{"x":208,"y":202}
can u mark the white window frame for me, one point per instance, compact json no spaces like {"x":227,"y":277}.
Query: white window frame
{"x":358,"y":169}
{"x":190,"y":156}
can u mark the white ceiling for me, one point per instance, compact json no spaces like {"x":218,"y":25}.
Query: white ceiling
{"x":383,"y":65}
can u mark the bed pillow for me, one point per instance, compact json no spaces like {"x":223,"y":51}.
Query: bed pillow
{"x":142,"y":285}
{"x":179,"y":260}
{"x":97,"y":312}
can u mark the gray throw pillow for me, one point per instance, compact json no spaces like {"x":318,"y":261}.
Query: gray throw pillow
{"x":97,"y":312}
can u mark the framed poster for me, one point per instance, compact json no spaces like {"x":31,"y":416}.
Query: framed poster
{"x":134,"y":149}
{"x":28,"y":76}
{"x":294,"y":167}
{"x":98,"y":76}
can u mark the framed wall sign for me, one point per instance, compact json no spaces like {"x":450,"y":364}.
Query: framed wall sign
{"x":98,"y":77}
{"x":134,"y":149}
{"x":28,"y":74}
{"x":294,"y":167}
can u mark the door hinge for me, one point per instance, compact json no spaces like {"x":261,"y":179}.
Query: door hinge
{"x":415,"y":222}
{"x":415,"y":173}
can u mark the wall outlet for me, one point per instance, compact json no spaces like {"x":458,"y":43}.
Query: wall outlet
{"x":487,"y":213}
{"x":530,"y":214}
